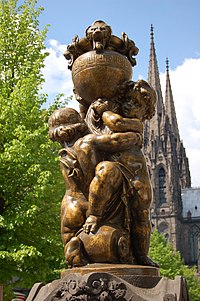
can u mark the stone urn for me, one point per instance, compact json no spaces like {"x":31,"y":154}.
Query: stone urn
{"x":97,"y":75}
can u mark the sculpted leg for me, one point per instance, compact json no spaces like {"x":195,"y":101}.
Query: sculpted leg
{"x":107,"y":181}
{"x":140,"y":237}
{"x":67,"y":234}
{"x":141,"y":226}
{"x":141,"y":230}
{"x":73,"y":215}
{"x":88,"y":157}
{"x":74,"y":253}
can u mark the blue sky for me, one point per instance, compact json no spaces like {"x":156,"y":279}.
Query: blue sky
{"x":176,"y":34}
{"x":176,"y":23}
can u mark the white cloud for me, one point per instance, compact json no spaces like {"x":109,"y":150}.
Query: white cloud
{"x":185,"y":88}
{"x":57,"y":75}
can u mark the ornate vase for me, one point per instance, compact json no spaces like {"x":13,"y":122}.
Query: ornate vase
{"x":97,"y":75}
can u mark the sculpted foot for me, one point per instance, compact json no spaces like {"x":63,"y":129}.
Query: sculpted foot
{"x":91,"y":224}
{"x":145,"y":260}
{"x":73,"y":253}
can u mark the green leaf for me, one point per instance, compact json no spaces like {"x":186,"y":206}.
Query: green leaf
{"x":31,"y":185}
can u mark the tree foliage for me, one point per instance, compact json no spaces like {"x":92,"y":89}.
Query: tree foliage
{"x":172,"y":265}
{"x":31,"y":186}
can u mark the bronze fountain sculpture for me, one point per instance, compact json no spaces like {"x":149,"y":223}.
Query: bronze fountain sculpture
{"x":105,"y":222}
{"x":105,"y":211}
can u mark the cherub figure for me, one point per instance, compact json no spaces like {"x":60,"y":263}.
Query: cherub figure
{"x":105,"y":172}
{"x":66,"y":126}
{"x":109,"y":160}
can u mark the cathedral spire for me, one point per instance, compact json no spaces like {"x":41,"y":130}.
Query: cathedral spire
{"x":169,"y":105}
{"x":154,"y":81}
{"x":165,"y":156}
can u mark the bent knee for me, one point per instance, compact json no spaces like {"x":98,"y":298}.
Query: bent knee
{"x":108,"y":172}
{"x":107,"y":167}
{"x":84,"y":143}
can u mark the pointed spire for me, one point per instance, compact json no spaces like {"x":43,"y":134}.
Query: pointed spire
{"x":152,"y":33}
{"x":169,"y":104}
{"x":184,"y":168}
{"x":167,"y":65}
{"x":154,"y":81}
{"x":153,"y":65}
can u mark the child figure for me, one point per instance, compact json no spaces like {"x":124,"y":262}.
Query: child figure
{"x":109,"y":160}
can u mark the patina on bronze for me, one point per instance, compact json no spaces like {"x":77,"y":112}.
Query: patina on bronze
{"x":105,"y":211}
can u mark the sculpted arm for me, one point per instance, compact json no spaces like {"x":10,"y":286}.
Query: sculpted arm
{"x":117,"y":123}
{"x":114,"y":142}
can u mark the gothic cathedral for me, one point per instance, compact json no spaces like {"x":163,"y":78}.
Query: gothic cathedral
{"x":169,"y":168}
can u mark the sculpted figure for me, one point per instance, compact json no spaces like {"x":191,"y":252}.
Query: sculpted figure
{"x":126,"y":168}
{"x":105,"y":211}
{"x":66,"y":126}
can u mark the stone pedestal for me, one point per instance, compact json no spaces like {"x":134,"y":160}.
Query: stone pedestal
{"x":111,"y":282}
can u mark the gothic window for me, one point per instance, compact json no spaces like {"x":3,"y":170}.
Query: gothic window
{"x":162,"y":185}
{"x":194,"y":234}
{"x":164,"y":229}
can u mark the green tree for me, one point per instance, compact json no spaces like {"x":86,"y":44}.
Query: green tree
{"x":172,"y":265}
{"x":31,"y":185}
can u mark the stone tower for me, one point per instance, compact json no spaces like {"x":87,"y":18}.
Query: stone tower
{"x":166,"y":157}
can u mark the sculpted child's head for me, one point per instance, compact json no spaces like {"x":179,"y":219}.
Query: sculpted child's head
{"x":66,"y":125}
{"x":141,"y":101}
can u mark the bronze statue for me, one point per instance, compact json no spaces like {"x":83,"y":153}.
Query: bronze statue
{"x":105,"y":211}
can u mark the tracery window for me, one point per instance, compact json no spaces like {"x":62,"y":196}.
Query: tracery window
{"x":194,"y":235}
{"x":162,"y":185}
{"x":164,"y":229}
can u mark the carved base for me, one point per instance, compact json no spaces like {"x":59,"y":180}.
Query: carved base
{"x":111,"y":282}
{"x":142,"y":276}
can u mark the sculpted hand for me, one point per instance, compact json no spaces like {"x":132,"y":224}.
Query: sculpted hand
{"x":65,"y":132}
{"x":139,"y":141}
{"x":100,"y":106}
{"x":91,"y":224}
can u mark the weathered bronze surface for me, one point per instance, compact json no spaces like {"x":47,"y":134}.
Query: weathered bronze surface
{"x":105,"y":211}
